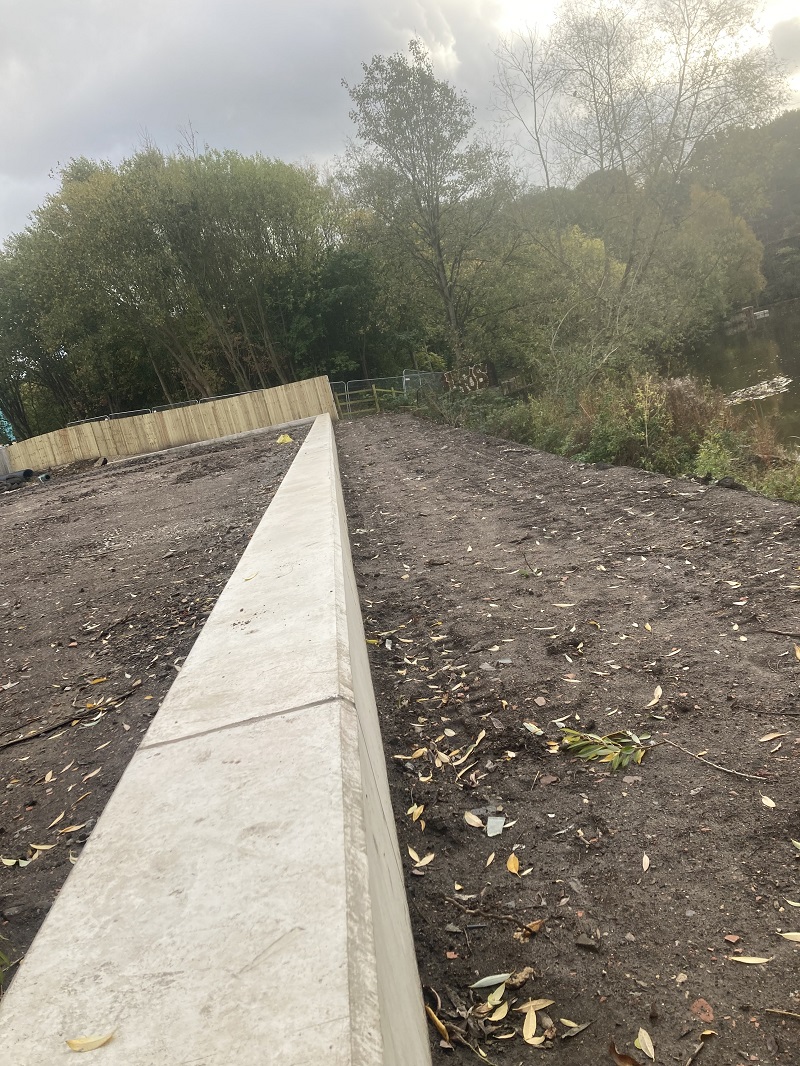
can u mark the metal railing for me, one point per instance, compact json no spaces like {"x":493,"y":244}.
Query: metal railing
{"x":369,"y":395}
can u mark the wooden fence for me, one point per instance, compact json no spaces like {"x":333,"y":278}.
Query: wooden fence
{"x":151,"y":432}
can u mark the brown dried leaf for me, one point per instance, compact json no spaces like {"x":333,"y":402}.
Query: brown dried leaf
{"x":439,"y":1025}
{"x":512,"y":864}
{"x":620,"y":1058}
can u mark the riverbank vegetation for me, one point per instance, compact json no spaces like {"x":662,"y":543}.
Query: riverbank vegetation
{"x":641,"y":186}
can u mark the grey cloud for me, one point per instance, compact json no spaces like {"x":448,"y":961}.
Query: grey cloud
{"x":92,"y":78}
{"x":785,"y":38}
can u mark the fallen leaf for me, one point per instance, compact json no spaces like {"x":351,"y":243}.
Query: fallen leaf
{"x":88,"y":1043}
{"x":286,"y":439}
{"x":497,"y":995}
{"x":440,"y":1026}
{"x":491,"y":981}
{"x":535,"y":1004}
{"x":98,"y":681}
{"x":500,"y":1013}
{"x":567,"y":1022}
{"x":8,"y":862}
{"x":791,"y":902}
{"x":563,"y":604}
{"x":48,"y":777}
{"x":512,"y":863}
{"x":42,"y":847}
{"x":645,"y":862}
{"x":73,"y":828}
{"x":413,"y":853}
{"x":791,"y":936}
{"x":490,"y":860}
{"x":797,"y":651}
{"x":56,"y":820}
{"x":767,"y":801}
{"x":657,"y":694}
{"x":645,"y":1044}
{"x":751,"y":960}
{"x":529,"y":1026}
{"x":425,"y":861}
{"x":473,"y":820}
{"x":770,"y":736}
{"x":574,"y":1030}
{"x":620,"y":1058}
{"x":94,"y":773}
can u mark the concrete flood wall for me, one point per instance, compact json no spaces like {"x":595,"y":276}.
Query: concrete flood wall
{"x":157,"y":430}
{"x":241,"y":898}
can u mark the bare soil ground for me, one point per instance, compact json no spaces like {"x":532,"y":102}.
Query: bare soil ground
{"x":107,"y":577}
{"x":506,"y":591}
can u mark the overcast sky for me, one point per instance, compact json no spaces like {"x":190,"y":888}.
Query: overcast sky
{"x":95,"y":77}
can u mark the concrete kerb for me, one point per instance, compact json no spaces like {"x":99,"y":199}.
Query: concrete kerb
{"x":241,"y":898}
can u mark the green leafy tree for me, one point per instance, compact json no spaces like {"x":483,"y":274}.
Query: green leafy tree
{"x":432,"y":188}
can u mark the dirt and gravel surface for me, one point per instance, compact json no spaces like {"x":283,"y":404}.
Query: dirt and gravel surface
{"x":107,"y":577}
{"x":508,"y":594}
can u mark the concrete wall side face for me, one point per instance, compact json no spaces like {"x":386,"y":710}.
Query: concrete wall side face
{"x":400,"y":1004}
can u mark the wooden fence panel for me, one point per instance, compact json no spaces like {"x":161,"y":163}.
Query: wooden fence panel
{"x":140,"y":434}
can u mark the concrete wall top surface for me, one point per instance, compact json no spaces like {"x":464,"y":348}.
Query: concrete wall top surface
{"x":241,"y":898}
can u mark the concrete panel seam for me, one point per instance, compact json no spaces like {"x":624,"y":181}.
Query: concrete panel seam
{"x":246,"y":721}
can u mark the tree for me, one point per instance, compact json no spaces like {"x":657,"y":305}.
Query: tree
{"x":611,"y":107}
{"x":432,"y":189}
{"x":633,"y":91}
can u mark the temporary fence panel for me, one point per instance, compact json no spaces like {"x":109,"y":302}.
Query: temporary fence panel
{"x":186,"y":424}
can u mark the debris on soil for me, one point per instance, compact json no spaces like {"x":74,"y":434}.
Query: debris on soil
{"x":512,"y":598}
{"x":107,"y":580}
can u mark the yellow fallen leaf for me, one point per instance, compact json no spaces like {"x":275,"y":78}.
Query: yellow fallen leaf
{"x":770,"y":736}
{"x":48,"y":777}
{"x":512,"y":864}
{"x":413,"y":853}
{"x":645,"y":862}
{"x":535,"y":1004}
{"x":500,"y":1013}
{"x":73,"y":828}
{"x":529,"y":1026}
{"x":55,"y":821}
{"x":94,"y":773}
{"x":418,"y":812}
{"x":490,"y":860}
{"x":567,"y":1022}
{"x":791,"y":902}
{"x":767,"y":801}
{"x":749,"y":959}
{"x":645,"y":1044}
{"x":791,"y":936}
{"x":440,"y":1026}
{"x":648,"y":627}
{"x":657,"y":694}
{"x":424,"y":862}
{"x":8,"y":862}
{"x":563,"y":604}
{"x":496,"y":996}
{"x":88,"y":1043}
{"x":284,"y":439}
{"x":42,"y":847}
{"x":797,"y":651}
{"x":473,"y":820}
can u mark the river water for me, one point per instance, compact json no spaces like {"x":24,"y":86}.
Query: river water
{"x":770,"y":350}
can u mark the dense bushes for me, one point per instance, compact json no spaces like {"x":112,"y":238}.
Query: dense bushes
{"x":677,"y":426}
